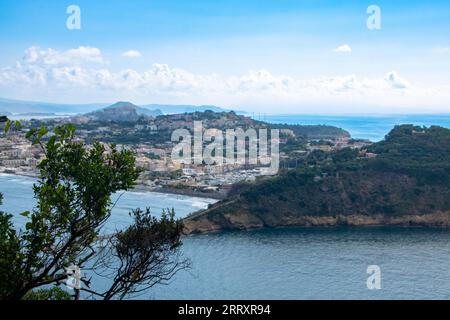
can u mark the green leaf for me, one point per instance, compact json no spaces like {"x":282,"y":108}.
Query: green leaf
{"x":25,"y":214}
{"x":42,"y":132}
{"x":52,"y":140}
{"x":30,"y":133}
{"x":8,"y":126}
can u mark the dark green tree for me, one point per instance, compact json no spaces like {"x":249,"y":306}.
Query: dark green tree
{"x":141,"y":256}
{"x":73,"y":196}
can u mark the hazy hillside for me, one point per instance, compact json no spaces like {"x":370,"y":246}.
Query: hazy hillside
{"x":174,"y":109}
{"x":122,"y":112}
{"x":18,"y":106}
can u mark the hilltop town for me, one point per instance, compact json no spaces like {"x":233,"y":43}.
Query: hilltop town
{"x":148,"y":134}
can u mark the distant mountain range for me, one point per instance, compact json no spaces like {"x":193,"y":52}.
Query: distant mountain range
{"x":9,"y":106}
{"x":174,"y":109}
{"x":32,"y":107}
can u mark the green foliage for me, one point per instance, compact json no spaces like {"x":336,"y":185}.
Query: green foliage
{"x":54,"y":293}
{"x":148,"y":230}
{"x":147,"y":253}
{"x":10,"y":256}
{"x":10,"y":124}
{"x":73,"y":203}
{"x":314,"y":131}
{"x":410,"y":175}
{"x":423,"y":153}
{"x":345,"y":155}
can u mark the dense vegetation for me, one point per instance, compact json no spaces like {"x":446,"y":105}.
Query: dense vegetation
{"x":314,"y":131}
{"x":416,"y":151}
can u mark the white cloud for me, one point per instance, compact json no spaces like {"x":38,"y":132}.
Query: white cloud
{"x":37,"y":56}
{"x":396,"y":81}
{"x":345,"y":48}
{"x":80,"y":75}
{"x":132,"y":54}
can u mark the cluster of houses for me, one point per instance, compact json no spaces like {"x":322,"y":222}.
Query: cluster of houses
{"x":17,"y":154}
{"x":205,"y":179}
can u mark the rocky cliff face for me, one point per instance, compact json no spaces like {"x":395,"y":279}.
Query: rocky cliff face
{"x":241,"y":222}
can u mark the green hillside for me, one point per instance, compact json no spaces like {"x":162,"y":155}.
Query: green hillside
{"x":402,"y":180}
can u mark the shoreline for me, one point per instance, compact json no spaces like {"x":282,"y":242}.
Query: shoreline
{"x":138,"y":187}
{"x":29,"y":174}
{"x":181,"y":192}
{"x":405,"y":226}
{"x":202,"y":224}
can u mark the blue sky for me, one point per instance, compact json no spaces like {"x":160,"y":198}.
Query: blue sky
{"x":265,"y":51}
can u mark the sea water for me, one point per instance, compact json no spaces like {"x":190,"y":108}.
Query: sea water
{"x":285,"y":263}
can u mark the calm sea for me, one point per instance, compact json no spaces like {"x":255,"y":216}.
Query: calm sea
{"x":363,"y":127}
{"x":286,"y":263}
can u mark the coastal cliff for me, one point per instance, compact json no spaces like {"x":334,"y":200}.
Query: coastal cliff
{"x":405,"y":182}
